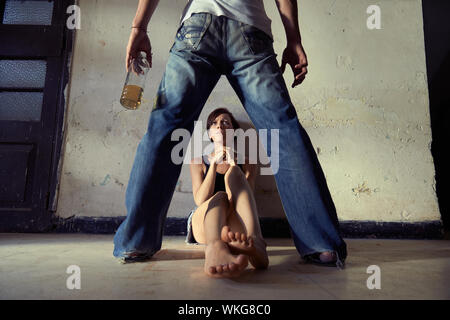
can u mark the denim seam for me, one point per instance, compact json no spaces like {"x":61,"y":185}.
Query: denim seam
{"x":205,"y":27}
{"x":160,"y":94}
{"x":241,"y":28}
{"x":300,"y":216}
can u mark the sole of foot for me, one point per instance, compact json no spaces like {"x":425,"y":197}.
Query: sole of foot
{"x":221,"y":263}
{"x":254,"y":247}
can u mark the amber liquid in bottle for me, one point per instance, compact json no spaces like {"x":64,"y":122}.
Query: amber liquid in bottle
{"x":131,"y":96}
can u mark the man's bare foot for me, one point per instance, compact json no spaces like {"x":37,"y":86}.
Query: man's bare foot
{"x":254,"y":247}
{"x":220,"y":263}
{"x":328,"y":256}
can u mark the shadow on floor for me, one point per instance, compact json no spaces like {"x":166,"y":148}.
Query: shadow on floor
{"x":396,"y":251}
{"x":176,"y":254}
{"x":360,"y":255}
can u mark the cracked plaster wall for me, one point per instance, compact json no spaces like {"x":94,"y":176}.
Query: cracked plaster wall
{"x":364,"y":104}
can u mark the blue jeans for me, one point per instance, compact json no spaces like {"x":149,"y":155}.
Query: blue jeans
{"x":207,"y":46}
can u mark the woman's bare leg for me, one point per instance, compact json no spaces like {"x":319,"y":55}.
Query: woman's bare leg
{"x":241,"y":195}
{"x":243,"y":231}
{"x":243,"y":224}
{"x":219,"y":262}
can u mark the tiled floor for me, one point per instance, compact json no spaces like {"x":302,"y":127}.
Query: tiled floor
{"x":33,"y":266}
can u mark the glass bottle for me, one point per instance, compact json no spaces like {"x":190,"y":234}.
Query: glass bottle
{"x":134,"y":83}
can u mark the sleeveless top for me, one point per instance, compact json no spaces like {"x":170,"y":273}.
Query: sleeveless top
{"x":251,"y":12}
{"x":220,"y":178}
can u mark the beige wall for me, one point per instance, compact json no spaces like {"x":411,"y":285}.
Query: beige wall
{"x":364,"y":104}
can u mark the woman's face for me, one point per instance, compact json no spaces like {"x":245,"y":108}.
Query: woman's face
{"x":220,"y":124}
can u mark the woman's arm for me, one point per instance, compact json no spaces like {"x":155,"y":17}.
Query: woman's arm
{"x":202,"y":186}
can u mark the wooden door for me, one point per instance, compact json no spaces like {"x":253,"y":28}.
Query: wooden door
{"x":34,"y":51}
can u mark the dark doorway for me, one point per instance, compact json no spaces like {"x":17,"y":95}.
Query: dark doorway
{"x":437,"y":45}
{"x":34,"y":50}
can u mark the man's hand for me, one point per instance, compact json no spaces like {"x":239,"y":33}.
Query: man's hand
{"x":295,"y":56}
{"x":137,"y":42}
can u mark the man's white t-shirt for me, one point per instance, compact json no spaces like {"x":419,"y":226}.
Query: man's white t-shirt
{"x":251,"y":12}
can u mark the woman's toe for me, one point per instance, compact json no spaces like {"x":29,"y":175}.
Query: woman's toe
{"x":225,"y":234}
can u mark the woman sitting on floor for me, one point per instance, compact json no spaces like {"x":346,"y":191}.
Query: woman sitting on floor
{"x":225,"y":218}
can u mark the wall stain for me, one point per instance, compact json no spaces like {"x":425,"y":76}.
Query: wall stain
{"x":361,"y":189}
{"x":118,"y":182}
{"x":106,"y":180}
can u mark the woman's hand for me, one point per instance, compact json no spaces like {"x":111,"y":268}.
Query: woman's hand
{"x":224,"y":155}
{"x":231,"y":155}
{"x":219,"y":156}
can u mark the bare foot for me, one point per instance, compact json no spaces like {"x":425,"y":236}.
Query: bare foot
{"x":327,"y":256}
{"x":254,"y":247}
{"x":220,"y":263}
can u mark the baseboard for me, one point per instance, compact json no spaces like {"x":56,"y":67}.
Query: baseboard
{"x":271,"y":227}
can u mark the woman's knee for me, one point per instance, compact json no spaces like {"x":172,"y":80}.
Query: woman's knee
{"x":220,"y":198}
{"x":233,"y":171}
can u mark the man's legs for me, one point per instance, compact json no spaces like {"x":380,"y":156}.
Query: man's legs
{"x":259,"y":84}
{"x":186,"y":84}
